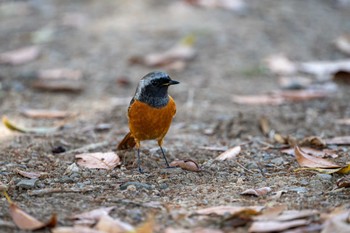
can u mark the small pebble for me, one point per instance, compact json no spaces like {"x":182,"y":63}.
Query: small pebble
{"x":27,"y":183}
{"x":138,"y":185}
{"x":65,"y":179}
{"x":324,"y":177}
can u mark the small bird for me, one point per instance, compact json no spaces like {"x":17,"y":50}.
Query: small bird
{"x":150,"y":113}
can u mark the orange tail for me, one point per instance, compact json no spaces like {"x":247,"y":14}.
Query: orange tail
{"x":128,"y":142}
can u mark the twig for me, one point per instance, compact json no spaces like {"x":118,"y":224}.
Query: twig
{"x":42,"y":192}
{"x":244,"y":168}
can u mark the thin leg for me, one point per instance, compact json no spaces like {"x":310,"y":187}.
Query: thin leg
{"x":139,"y":160}
{"x":166,"y":161}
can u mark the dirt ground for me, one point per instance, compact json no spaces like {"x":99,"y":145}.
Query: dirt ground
{"x":231,"y":47}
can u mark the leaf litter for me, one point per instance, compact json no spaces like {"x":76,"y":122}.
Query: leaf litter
{"x":108,"y":160}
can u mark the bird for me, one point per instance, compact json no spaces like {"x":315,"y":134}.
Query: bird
{"x":150,"y":113}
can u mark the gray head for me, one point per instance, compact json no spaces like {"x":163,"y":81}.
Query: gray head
{"x":153,"y":89}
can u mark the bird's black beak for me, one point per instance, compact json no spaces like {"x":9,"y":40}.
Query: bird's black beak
{"x":173,"y":82}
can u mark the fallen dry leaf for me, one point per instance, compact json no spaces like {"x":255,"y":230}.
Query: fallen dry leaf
{"x":281,"y":65}
{"x":187,"y":164}
{"x":258,"y":99}
{"x":196,"y":230}
{"x":182,"y":52}
{"x":101,"y":160}
{"x":343,"y":140}
{"x":93,"y":215}
{"x":60,"y":73}
{"x":60,"y":85}
{"x":309,"y":161}
{"x":75,"y":229}
{"x":44,"y":113}
{"x":345,"y":121}
{"x":38,"y":130}
{"x":313,"y":141}
{"x":337,"y":222}
{"x":31,"y":175}
{"x":314,"y":152}
{"x":147,"y":226}
{"x":344,"y":182}
{"x":232,"y":210}
{"x":343,"y":44}
{"x":276,"y":226}
{"x":20,"y":56}
{"x":264,"y":125}
{"x":229,"y":154}
{"x":257,"y":192}
{"x":26,"y":222}
{"x":302,"y":95}
{"x":233,"y":5}
{"x":109,"y":225}
{"x":271,"y":213}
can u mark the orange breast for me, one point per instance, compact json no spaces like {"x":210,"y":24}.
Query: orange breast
{"x":149,"y":123}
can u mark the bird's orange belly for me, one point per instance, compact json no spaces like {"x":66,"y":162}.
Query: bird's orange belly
{"x":149,"y":123}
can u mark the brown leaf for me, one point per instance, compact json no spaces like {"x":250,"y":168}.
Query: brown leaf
{"x":271,"y":213}
{"x":26,"y":222}
{"x":342,"y":77}
{"x":60,"y":73}
{"x":344,"y":182}
{"x":258,"y":99}
{"x":313,"y":141}
{"x":264,"y":125}
{"x":257,"y":192}
{"x":31,"y":175}
{"x":306,"y":160}
{"x":233,"y":5}
{"x":44,"y":113}
{"x":20,"y":56}
{"x":345,"y":121}
{"x":92,"y":216}
{"x":232,"y":210}
{"x":302,"y":95}
{"x":101,"y":160}
{"x":344,"y":140}
{"x":146,"y":227}
{"x":75,"y":229}
{"x":313,"y":152}
{"x":196,"y":230}
{"x":109,"y":225}
{"x":63,"y":85}
{"x":229,"y":154}
{"x":182,"y":52}
{"x":187,"y":164}
{"x":337,"y":222}
{"x":276,"y":226}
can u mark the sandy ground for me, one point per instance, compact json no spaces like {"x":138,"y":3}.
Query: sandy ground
{"x":231,"y":47}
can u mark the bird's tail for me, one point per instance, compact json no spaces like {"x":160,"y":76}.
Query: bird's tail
{"x":128,"y":142}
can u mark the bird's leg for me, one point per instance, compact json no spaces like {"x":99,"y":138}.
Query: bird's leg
{"x":138,"y":157}
{"x":166,"y":161}
{"x":139,"y":160}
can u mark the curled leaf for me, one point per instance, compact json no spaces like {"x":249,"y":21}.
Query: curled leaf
{"x":309,"y":161}
{"x":26,"y":222}
{"x":31,"y":175}
{"x":107,"y":160}
{"x":187,"y":164}
{"x":257,"y":192}
{"x":232,"y":210}
{"x":229,"y":154}
{"x":108,"y":224}
{"x":20,"y":56}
